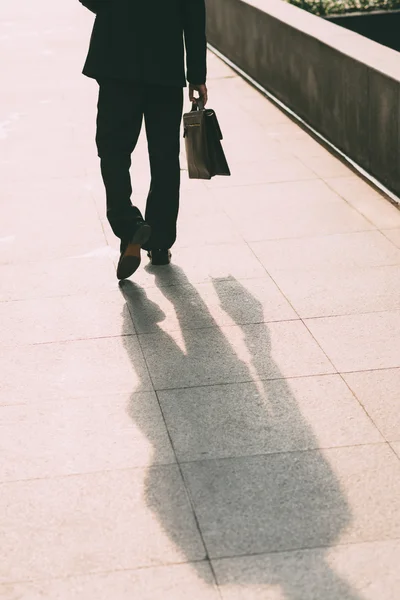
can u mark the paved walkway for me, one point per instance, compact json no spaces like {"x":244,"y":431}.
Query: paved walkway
{"x":226,"y":428}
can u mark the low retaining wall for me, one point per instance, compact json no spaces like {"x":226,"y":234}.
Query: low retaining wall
{"x":343,"y":85}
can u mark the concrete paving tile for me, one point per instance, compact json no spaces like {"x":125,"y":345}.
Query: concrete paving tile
{"x":141,"y":181}
{"x":58,"y":225}
{"x":72,"y":369}
{"x":50,"y":244}
{"x":259,"y":196}
{"x":393,"y":235}
{"x":14,"y":250}
{"x":197,"y":203}
{"x":96,"y":522}
{"x":288,"y":169}
{"x":359,"y":342}
{"x":265,"y":417}
{"x":363,"y":249}
{"x":326,"y":166}
{"x":64,"y":277}
{"x":305,"y":146}
{"x":368,"y":201}
{"x":48,"y":164}
{"x":245,"y":148}
{"x":378,"y":392}
{"x":48,"y":203}
{"x":248,"y":124}
{"x":201,"y":264}
{"x":246,"y":143}
{"x":262,"y":111}
{"x":246,"y":99}
{"x":295,"y":218}
{"x":55,"y":226}
{"x":65,"y":318}
{"x":298,"y":500}
{"x":191,"y":358}
{"x":82,"y":435}
{"x":222,"y":302}
{"x":365,"y":571}
{"x":286,"y":132}
{"x":324,"y":293}
{"x":219,"y":69}
{"x":49,"y":192}
{"x":174,"y":582}
{"x":202,"y":230}
{"x":396,"y":448}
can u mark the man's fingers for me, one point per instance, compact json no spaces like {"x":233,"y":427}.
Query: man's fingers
{"x":201,"y":90}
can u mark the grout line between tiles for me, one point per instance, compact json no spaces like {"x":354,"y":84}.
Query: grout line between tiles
{"x":196,"y":386}
{"x":187,"y":491}
{"x":195,"y":562}
{"x":178,"y":463}
{"x":136,"y":333}
{"x":393,"y":450}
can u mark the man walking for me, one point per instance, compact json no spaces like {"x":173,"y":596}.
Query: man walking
{"x":137,"y":56}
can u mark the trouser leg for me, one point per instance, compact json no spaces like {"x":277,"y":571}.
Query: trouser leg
{"x":119,"y":121}
{"x":163,"y":114}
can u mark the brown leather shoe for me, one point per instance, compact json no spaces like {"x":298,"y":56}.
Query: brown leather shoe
{"x":129,"y":260}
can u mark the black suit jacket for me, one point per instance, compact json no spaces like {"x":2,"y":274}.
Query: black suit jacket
{"x":143,"y":40}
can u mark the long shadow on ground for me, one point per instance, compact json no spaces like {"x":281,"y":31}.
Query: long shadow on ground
{"x":274,"y":499}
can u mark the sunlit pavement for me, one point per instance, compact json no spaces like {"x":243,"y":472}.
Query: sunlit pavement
{"x":224,"y":428}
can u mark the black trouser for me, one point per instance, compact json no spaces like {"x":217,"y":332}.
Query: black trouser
{"x":121,"y":108}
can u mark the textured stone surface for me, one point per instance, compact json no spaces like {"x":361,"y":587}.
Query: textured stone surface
{"x":359,"y":342}
{"x":232,"y":354}
{"x":366,"y":249}
{"x":350,"y":572}
{"x":106,"y":521}
{"x":81,"y":435}
{"x":174,"y":582}
{"x":296,"y":217}
{"x":72,"y":369}
{"x":65,"y":318}
{"x":222,"y":302}
{"x":366,"y":200}
{"x":201,"y":264}
{"x":296,"y":500}
{"x":341,"y":291}
{"x":92,"y":272}
{"x":393,"y":235}
{"x":265,"y":417}
{"x":379,"y":393}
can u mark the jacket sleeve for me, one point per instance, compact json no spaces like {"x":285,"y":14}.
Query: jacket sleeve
{"x":194,"y":25}
{"x":92,"y":5}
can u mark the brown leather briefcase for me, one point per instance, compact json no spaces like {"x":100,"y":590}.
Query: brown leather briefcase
{"x":202,"y":133}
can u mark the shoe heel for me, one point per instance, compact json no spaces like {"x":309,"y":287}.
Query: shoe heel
{"x":141,"y":235}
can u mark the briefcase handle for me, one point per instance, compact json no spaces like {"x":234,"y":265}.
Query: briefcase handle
{"x":197,"y":105}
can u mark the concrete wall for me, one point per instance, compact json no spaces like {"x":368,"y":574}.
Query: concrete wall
{"x":345,"y":86}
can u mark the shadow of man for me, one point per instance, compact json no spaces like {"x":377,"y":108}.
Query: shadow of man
{"x":258,"y":483}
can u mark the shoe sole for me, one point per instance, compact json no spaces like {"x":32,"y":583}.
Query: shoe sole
{"x":130,"y":261}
